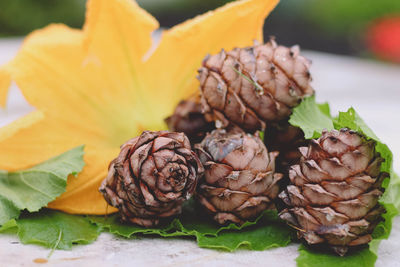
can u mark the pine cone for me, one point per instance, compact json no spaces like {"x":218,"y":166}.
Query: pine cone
{"x":187,"y":118}
{"x":240,"y":180}
{"x":152,"y":176}
{"x":334,"y":191}
{"x":286,"y":139}
{"x":250,"y":86}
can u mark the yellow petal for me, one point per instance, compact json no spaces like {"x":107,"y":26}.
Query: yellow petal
{"x":183,"y":47}
{"x":72,"y":116}
{"x":82,"y":195}
{"x":119,"y":27}
{"x":118,"y":35}
{"x":85,"y":103}
{"x":35,"y":139}
{"x":5,"y":81}
{"x":22,"y":123}
{"x":50,"y":73}
{"x":57,"y":77}
{"x":32,"y":140}
{"x":85,"y":98}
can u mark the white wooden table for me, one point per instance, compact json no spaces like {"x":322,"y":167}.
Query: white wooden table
{"x":373,"y":89}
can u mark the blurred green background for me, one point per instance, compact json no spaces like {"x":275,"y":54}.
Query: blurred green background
{"x":368,"y":28}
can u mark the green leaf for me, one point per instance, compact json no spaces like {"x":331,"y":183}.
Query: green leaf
{"x":262,"y":135}
{"x":256,"y":237}
{"x":58,"y":230}
{"x":9,"y":227}
{"x":390,"y":199}
{"x":113,"y":225}
{"x":264,"y":233}
{"x":53,"y":229}
{"x":311,"y":118}
{"x":308,"y":258}
{"x":33,"y":188}
{"x":325,"y":108}
{"x":350,"y":119}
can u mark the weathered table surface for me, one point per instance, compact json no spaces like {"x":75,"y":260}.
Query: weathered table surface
{"x":373,"y":89}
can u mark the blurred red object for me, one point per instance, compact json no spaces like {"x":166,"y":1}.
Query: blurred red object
{"x":383,"y":38}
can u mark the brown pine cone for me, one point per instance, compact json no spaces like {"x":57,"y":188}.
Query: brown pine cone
{"x":152,"y":176}
{"x":240,"y":180}
{"x":250,"y":86}
{"x":334,"y":191}
{"x":286,"y":139}
{"x":187,"y":118}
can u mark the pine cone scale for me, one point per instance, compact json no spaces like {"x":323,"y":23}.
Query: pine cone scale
{"x":333,"y":196}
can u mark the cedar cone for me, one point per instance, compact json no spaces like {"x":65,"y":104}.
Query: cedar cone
{"x":152,"y":176}
{"x":334,"y":191}
{"x":187,"y":118}
{"x":248,"y":87}
{"x":240,"y":180}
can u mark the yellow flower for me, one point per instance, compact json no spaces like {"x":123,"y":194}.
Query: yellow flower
{"x":104,"y":84}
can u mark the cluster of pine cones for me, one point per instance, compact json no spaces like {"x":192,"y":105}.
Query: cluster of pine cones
{"x":327,"y":189}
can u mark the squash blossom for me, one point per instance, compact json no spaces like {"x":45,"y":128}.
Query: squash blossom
{"x":106,"y":83}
